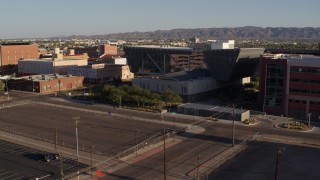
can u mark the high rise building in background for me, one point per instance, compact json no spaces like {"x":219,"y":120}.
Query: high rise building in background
{"x":290,"y":85}
{"x":101,"y":51}
{"x":12,"y":52}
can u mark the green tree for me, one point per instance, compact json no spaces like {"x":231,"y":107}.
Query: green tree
{"x":2,"y":85}
{"x":170,"y":97}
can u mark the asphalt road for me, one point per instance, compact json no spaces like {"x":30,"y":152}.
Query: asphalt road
{"x":295,"y":162}
{"x":181,"y":158}
{"x":20,"y":162}
{"x":111,"y":134}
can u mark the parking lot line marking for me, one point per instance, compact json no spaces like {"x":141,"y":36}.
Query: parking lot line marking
{"x":5,"y":173}
{"x":18,"y":178}
{"x":55,"y":163}
{"x":8,"y":177}
{"x":70,"y":167}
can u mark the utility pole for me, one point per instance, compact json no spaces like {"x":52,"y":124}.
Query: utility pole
{"x":164,"y":155}
{"x":136,"y":145}
{"x":56,"y":139}
{"x":61,"y":164}
{"x":194,"y":111}
{"x":33,"y":85}
{"x":7,"y":88}
{"x":233,"y":125}
{"x":76,"y":122}
{"x":91,"y":147}
{"x":309,"y":117}
{"x":277,"y":166}
{"x":198,"y":173}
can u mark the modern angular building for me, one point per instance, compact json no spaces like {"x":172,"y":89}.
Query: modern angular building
{"x":190,"y":85}
{"x":223,"y":64}
{"x":154,"y":59}
{"x":290,"y":85}
{"x":232,"y":64}
{"x":191,"y":73}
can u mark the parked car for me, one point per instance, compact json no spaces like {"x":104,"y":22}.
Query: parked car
{"x":50,"y":156}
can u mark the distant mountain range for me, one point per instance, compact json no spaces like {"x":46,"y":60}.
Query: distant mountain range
{"x":247,"y":32}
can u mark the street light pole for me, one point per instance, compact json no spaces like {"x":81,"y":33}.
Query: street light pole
{"x":56,"y":139}
{"x":76,"y":121}
{"x":233,"y":125}
{"x":276,"y":174}
{"x":164,"y":156}
{"x":309,"y":117}
{"x":7,"y":88}
{"x":136,"y":145}
{"x":194,"y":111}
{"x":33,"y":86}
{"x":91,"y":159}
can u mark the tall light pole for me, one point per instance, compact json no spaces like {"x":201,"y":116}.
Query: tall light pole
{"x":136,"y":145}
{"x":233,"y":125}
{"x":56,"y":139}
{"x":76,"y":122}
{"x":91,"y":147}
{"x":309,"y":117}
{"x":33,"y":85}
{"x":7,"y":88}
{"x":194,"y":111}
{"x":61,"y":164}
{"x":164,"y":156}
{"x":276,"y":174}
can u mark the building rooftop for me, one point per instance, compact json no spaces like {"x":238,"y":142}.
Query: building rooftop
{"x":15,"y":44}
{"x":221,"y":109}
{"x":188,"y":75}
{"x":50,"y":59}
{"x":42,"y":77}
{"x":162,"y":47}
{"x":296,"y":57}
{"x":182,"y":75}
{"x":98,"y":66}
{"x":305,"y":58}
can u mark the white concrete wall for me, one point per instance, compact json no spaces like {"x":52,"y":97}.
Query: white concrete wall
{"x":245,"y":80}
{"x":183,"y":88}
{"x":121,"y":61}
{"x":222,"y":44}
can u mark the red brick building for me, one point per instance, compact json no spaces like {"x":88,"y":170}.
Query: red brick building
{"x":45,"y":84}
{"x":106,"y":50}
{"x":290,"y":85}
{"x":11,"y":53}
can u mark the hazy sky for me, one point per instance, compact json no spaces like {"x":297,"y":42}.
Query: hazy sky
{"x":47,"y":18}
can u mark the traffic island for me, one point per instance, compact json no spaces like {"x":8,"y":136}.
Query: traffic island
{"x":296,"y":126}
{"x":250,"y":121}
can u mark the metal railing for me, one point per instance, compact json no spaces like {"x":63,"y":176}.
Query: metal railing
{"x":116,"y":160}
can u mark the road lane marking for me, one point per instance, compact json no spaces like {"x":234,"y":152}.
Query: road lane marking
{"x":18,"y":178}
{"x":8,"y":177}
{"x":5,"y":173}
